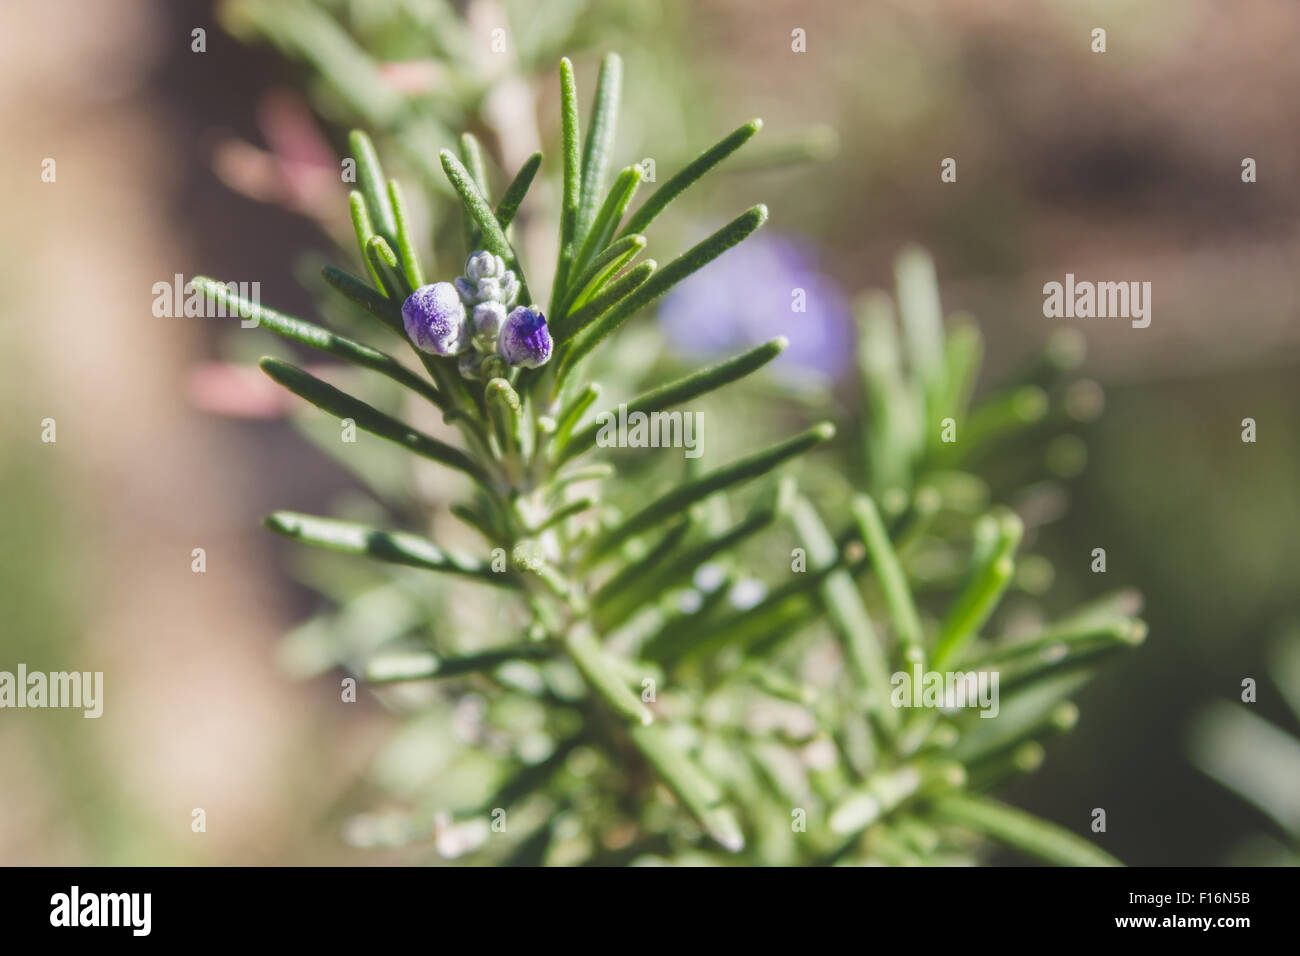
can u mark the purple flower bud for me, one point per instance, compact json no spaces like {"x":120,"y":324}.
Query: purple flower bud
{"x":525,"y":340}
{"x":484,"y":265}
{"x":468,"y":291}
{"x":509,"y":289}
{"x":434,"y":316}
{"x":487,"y":279}
{"x":485,"y":325}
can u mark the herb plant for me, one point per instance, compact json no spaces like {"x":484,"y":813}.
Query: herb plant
{"x":634,"y":701}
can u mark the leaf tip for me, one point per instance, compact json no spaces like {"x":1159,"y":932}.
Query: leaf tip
{"x":279,"y":522}
{"x":1136,"y":632}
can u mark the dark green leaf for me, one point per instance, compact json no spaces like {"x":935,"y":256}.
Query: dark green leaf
{"x":394,"y":547}
{"x":687,"y":493}
{"x":306,"y":333}
{"x":395,"y":666}
{"x":572,"y":194}
{"x":604,"y":300}
{"x":684,"y":389}
{"x":600,"y":139}
{"x":494,"y":237}
{"x":517,"y":190}
{"x":848,"y":614}
{"x":688,"y":262}
{"x":603,"y":227}
{"x":671,"y":189}
{"x":385,"y":310}
{"x":1020,"y":830}
{"x":370,"y":177}
{"x":405,"y":240}
{"x":342,"y":405}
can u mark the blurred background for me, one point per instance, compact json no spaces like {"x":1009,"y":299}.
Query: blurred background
{"x":1124,"y":166}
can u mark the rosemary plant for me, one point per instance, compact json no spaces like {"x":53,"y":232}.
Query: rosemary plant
{"x":640,"y":706}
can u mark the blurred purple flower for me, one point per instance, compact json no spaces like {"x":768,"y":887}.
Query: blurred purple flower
{"x":749,"y":295}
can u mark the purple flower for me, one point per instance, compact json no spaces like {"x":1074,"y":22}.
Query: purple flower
{"x":525,"y":340}
{"x":754,"y":293}
{"x":434,"y":318}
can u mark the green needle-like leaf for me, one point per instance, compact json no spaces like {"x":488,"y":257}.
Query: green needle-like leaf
{"x":494,"y":237}
{"x":471,"y":155}
{"x":963,"y":352}
{"x":632,"y":573}
{"x":685,"y":389}
{"x":674,"y":186}
{"x":365,"y":231}
{"x":847,"y":612}
{"x":392,"y":667}
{"x":863,"y":806}
{"x":1069,"y":657}
{"x":509,"y":205}
{"x":981,"y":594}
{"x":564,"y":512}
{"x":697,"y":793}
{"x":609,"y":296}
{"x":352,"y":288}
{"x":342,"y":405}
{"x":394,"y":547}
{"x":383,"y":261}
{"x":370,"y":177}
{"x":1020,"y":830}
{"x":1034,"y":711}
{"x":686,"y":494}
{"x":601,"y":229}
{"x":600,"y":139}
{"x":780,"y":615}
{"x":998,"y":417}
{"x":1056,"y":642}
{"x":507,"y":414}
{"x":616,"y":601}
{"x":571,"y":197}
{"x":405,"y":239}
{"x":892,"y":427}
{"x":889,"y":573}
{"x":306,"y":333}
{"x":572,"y":413}
{"x":603,"y":677}
{"x":1251,"y":756}
{"x":922,"y":319}
{"x":688,"y":262}
{"x":610,"y":261}
{"x":479,"y":522}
